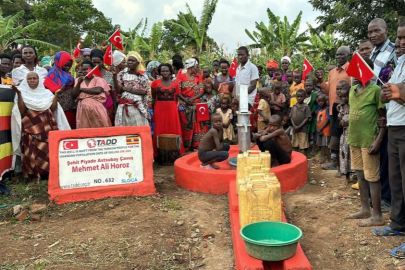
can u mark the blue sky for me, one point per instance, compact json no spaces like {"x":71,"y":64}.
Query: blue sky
{"x":228,"y":25}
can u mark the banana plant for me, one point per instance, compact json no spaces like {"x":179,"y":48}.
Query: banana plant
{"x":11,"y":34}
{"x":190,"y":29}
{"x":278,"y":35}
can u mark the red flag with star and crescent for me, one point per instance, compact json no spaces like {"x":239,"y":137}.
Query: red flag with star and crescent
{"x":77,"y":51}
{"x":116,"y":39}
{"x":95,"y":71}
{"x":233,"y":67}
{"x":108,"y":58}
{"x":306,"y":68}
{"x":359,"y":69}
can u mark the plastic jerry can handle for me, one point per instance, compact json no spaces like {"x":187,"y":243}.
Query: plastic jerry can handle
{"x":256,"y":166}
{"x":264,"y":183}
{"x":256,"y":176}
{"x":253,"y":153}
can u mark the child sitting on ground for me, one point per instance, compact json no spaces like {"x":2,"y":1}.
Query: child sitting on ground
{"x":211,"y":148}
{"x":364,"y":140}
{"x":277,"y":100}
{"x":263,"y":109}
{"x":323,"y":128}
{"x":343,"y":116}
{"x":276,"y":141}
{"x":226,"y":113}
{"x":300,"y":115}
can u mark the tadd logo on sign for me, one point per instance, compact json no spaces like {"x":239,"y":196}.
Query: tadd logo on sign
{"x":93,"y":143}
{"x":71,"y":145}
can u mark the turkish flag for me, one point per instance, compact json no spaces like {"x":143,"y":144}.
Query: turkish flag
{"x":116,"y":39}
{"x":70,"y":145}
{"x":306,"y":68}
{"x":359,"y":69}
{"x":233,"y":67}
{"x":77,"y":51}
{"x":203,"y":114}
{"x":108,"y":58}
{"x":95,"y":71}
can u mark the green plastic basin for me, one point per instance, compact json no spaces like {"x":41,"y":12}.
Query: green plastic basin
{"x":271,"y":240}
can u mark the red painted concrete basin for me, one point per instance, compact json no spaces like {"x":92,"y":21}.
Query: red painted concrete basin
{"x":190,"y":176}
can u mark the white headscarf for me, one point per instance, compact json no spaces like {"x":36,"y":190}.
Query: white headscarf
{"x":118,"y":57}
{"x":286,"y":58}
{"x":39,"y":99}
{"x":191,"y":62}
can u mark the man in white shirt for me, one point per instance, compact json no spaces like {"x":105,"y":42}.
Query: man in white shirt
{"x":396,"y":150}
{"x":246,"y":74}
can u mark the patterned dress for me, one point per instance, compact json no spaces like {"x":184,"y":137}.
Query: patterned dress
{"x":34,"y":142}
{"x":133,"y":109}
{"x":344,"y":152}
{"x":192,"y":131}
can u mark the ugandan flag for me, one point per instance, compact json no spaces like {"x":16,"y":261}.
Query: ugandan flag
{"x":6,"y":149}
{"x":134,"y":139}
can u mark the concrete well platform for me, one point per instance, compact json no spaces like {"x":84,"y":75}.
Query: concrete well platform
{"x":190,"y":176}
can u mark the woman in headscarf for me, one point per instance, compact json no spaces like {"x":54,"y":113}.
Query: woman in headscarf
{"x":133,"y":86}
{"x":91,"y":93}
{"x":285,"y":64}
{"x":119,"y":62}
{"x":152,"y":70}
{"x":97,"y":57}
{"x":35,"y":113}
{"x":268,"y":80}
{"x":191,"y":90}
{"x":166,"y":118}
{"x":59,"y":77}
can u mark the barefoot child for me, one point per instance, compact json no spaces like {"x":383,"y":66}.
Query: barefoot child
{"x":276,"y":141}
{"x":226,"y":113}
{"x":263,"y":109}
{"x":311,"y":98}
{"x":364,"y":141}
{"x":286,"y":124}
{"x":300,"y":115}
{"x":343,"y":116}
{"x":211,"y":148}
{"x":323,"y":128}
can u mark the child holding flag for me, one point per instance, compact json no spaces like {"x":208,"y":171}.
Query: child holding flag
{"x":365,"y":138}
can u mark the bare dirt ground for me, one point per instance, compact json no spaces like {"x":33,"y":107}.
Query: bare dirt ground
{"x":179,"y":229}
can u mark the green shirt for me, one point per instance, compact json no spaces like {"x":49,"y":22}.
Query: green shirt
{"x":363,"y":115}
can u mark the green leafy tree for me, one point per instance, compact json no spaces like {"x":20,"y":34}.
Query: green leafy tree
{"x":278,"y":35}
{"x":12,"y":34}
{"x":151,"y":44}
{"x":321,"y":45}
{"x":188,"y":30}
{"x":12,"y":7}
{"x":64,"y":21}
{"x":350,"y":18}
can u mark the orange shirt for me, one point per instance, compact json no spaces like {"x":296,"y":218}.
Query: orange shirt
{"x":336,"y":75}
{"x":321,"y":118}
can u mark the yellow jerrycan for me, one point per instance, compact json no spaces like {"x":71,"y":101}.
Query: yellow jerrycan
{"x":260,"y":200}
{"x":254,"y":168}
{"x":249,"y":158}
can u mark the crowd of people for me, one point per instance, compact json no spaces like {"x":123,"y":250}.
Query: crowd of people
{"x":356,"y":127}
